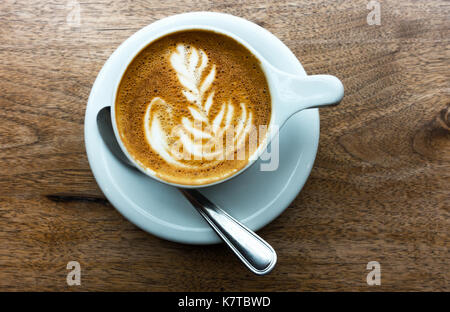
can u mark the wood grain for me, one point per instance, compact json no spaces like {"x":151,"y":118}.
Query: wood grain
{"x":379,"y":189}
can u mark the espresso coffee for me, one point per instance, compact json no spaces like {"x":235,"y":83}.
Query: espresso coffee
{"x":189,"y":104}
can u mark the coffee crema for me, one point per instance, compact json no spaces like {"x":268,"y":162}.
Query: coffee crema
{"x":192,"y":107}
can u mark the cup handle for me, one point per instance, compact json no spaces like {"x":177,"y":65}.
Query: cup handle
{"x":295,"y":93}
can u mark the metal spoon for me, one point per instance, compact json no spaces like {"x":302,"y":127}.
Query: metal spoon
{"x":253,"y":251}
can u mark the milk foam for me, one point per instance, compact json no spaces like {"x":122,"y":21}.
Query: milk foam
{"x":199,"y":132}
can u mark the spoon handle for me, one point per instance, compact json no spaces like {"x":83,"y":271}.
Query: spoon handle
{"x":253,"y":251}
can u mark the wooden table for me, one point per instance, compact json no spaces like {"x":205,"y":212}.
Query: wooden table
{"x":379,"y":189}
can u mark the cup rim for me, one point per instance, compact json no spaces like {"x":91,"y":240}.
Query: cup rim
{"x":262,"y":146}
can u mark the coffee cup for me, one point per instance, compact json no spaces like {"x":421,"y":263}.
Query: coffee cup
{"x":289,"y":95}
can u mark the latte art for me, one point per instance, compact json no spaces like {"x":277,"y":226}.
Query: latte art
{"x":190,"y":106}
{"x":199,"y":135}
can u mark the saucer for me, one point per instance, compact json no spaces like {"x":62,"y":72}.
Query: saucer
{"x":255,"y":197}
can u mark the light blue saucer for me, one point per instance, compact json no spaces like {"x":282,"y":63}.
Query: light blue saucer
{"x":254,"y":197}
